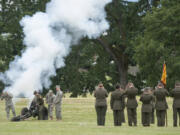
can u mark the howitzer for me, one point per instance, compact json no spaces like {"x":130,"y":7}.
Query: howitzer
{"x":33,"y":111}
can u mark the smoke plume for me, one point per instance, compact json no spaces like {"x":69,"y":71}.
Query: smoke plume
{"x":48,"y":37}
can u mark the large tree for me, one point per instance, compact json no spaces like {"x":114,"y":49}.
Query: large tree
{"x":124,"y":26}
{"x":160,"y":42}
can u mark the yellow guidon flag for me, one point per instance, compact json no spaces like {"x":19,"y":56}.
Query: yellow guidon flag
{"x":164,"y":74}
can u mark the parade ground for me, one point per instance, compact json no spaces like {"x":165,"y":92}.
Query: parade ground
{"x":79,"y":118}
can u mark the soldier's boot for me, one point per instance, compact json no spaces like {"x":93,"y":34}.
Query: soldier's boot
{"x":130,"y":123}
{"x":174,"y":117}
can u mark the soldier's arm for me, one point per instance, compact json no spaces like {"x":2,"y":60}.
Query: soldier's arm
{"x":171,"y":93}
{"x":61,"y":95}
{"x":106,"y":93}
{"x":56,"y":98}
{"x":140,"y":98}
{"x":153,"y":98}
{"x":167,"y":93}
{"x":125,"y":93}
{"x":95,"y":93}
{"x":155,"y":92}
{"x":136,"y":91}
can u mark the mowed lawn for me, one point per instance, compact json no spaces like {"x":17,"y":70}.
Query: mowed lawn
{"x":79,"y":118}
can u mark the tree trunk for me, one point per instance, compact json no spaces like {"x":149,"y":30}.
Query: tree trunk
{"x":121,"y":62}
{"x":123,"y":73}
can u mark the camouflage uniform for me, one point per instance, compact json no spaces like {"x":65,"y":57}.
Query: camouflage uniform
{"x":9,"y":104}
{"x":57,"y":103}
{"x":50,"y":101}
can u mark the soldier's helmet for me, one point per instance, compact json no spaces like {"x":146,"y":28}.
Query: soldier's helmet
{"x":58,"y":86}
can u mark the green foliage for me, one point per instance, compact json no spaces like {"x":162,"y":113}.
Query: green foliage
{"x":85,"y":66}
{"x":160,"y":42}
{"x":144,"y":33}
{"x":11,"y":35}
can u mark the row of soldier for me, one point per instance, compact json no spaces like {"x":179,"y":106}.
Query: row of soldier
{"x":51,"y":99}
{"x":151,"y":100}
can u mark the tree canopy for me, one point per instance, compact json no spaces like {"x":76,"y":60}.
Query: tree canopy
{"x":143,"y":34}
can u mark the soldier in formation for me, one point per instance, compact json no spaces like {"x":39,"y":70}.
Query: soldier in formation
{"x":101,"y":104}
{"x":117,"y":105}
{"x":146,"y":98}
{"x":132,"y":104}
{"x":176,"y":103}
{"x":161,"y":105}
{"x":9,"y":104}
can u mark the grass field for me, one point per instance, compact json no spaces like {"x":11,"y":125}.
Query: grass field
{"x":79,"y":118}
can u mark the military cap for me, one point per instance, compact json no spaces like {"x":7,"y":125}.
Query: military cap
{"x":35,"y":92}
{"x":145,"y":89}
{"x":50,"y":91}
{"x":160,"y":83}
{"x":58,"y":86}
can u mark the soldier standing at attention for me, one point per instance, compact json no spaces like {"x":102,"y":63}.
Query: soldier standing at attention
{"x":176,"y":103}
{"x":161,"y":104}
{"x":146,"y":109}
{"x":116,"y":104}
{"x":101,"y":104}
{"x":9,"y":104}
{"x":57,"y":102}
{"x":50,"y":101}
{"x":132,"y":104}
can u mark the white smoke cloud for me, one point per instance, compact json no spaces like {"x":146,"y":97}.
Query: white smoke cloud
{"x":48,"y":37}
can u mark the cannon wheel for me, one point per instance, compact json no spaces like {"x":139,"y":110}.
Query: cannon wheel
{"x":24,"y":111}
